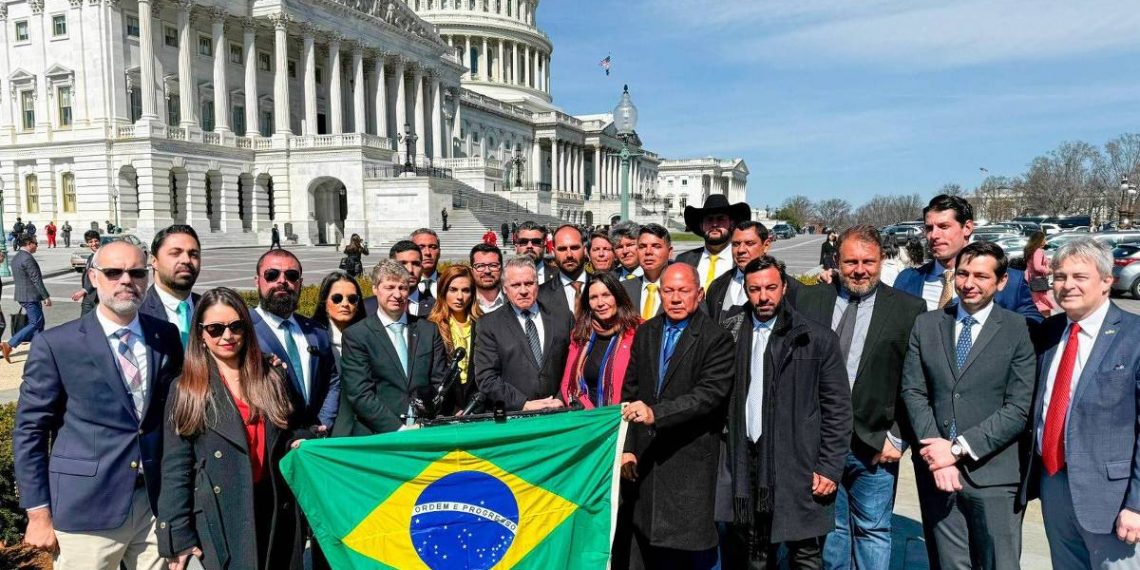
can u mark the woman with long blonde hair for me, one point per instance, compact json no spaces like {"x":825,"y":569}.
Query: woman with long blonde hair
{"x":455,"y":313}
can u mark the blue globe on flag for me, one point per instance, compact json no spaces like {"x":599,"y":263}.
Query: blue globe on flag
{"x":467,"y":519}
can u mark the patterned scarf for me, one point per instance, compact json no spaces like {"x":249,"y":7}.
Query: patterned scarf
{"x":603,"y":393}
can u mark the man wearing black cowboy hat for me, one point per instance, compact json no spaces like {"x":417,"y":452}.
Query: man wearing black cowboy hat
{"x":714,"y":223}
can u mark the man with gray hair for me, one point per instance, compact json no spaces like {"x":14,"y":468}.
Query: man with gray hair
{"x":624,"y":238}
{"x":91,"y":499}
{"x":387,"y":359}
{"x":1085,"y":458}
{"x":520,"y":350}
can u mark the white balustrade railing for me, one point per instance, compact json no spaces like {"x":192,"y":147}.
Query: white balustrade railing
{"x":176,"y":133}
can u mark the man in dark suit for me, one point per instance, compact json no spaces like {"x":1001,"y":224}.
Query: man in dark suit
{"x":387,"y":359}
{"x":949,"y":223}
{"x":873,"y":321}
{"x":31,"y":294}
{"x":968,"y":384}
{"x":679,"y":376}
{"x":428,"y":242}
{"x":176,"y":256}
{"x":725,"y":296}
{"x":88,"y":434}
{"x":654,"y":247}
{"x":301,"y":344}
{"x":1085,"y":454}
{"x":562,"y":291}
{"x":530,"y":240}
{"x":785,"y":466}
{"x":86,"y":294}
{"x":505,"y":229}
{"x":520,"y":349}
{"x":713,"y":222}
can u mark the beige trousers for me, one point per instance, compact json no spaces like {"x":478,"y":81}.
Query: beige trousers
{"x":134,"y":544}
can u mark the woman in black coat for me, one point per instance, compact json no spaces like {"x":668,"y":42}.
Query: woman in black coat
{"x":223,"y":498}
{"x":829,"y":252}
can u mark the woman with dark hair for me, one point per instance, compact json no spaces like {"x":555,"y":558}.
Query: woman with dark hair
{"x":829,"y":252}
{"x":1037,"y":274}
{"x":455,"y":315}
{"x":892,"y":265}
{"x":340,"y":304}
{"x":223,"y":499}
{"x":352,"y":263}
{"x":604,"y":324}
{"x":915,"y":253}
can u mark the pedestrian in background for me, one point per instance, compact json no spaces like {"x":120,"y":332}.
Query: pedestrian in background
{"x":87,"y":295}
{"x":892,"y":265}
{"x":829,"y":252}
{"x":352,"y":263}
{"x":275,"y":238}
{"x":65,"y":231}
{"x":30,"y":293}
{"x":1037,"y":273}
{"x":50,"y":231}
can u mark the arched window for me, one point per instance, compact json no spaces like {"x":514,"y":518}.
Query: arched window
{"x":32,"y":191}
{"x":67,"y":187}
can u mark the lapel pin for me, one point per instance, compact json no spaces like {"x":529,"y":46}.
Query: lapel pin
{"x":1109,"y":331}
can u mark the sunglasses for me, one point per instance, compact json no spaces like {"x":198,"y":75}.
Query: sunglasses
{"x":291,"y":275}
{"x":531,"y":241}
{"x":336,"y":298}
{"x":216,"y":330}
{"x":115,"y":273}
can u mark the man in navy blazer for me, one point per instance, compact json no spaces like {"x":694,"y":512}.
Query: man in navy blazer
{"x":1085,"y":458}
{"x":949,"y":222}
{"x":176,"y":256}
{"x":304,"y":346}
{"x":88,"y":434}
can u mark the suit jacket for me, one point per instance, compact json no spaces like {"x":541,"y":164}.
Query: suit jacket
{"x":74,"y":397}
{"x":673,"y":499}
{"x":553,"y":295}
{"x":692,"y":256}
{"x":505,"y":369}
{"x":633,"y":288}
{"x":376,"y":391}
{"x":1102,"y":450}
{"x":988,"y":399}
{"x":1015,"y":297}
{"x":27,"y":278}
{"x":324,"y":382}
{"x":152,"y":304}
{"x":207,"y":497}
{"x":874,"y":397}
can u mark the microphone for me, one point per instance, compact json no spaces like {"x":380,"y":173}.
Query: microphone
{"x":450,"y":378}
{"x":473,"y":403}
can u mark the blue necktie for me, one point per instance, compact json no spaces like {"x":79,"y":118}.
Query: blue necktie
{"x":962,"y":352}
{"x":672,"y":333}
{"x":295,"y":358}
{"x":401,"y":344}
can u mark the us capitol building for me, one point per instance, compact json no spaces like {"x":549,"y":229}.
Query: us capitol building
{"x":235,"y":115}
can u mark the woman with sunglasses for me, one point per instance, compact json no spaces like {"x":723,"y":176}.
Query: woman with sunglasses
{"x":223,"y":499}
{"x":455,"y":316}
{"x":340,"y":305}
{"x":600,"y":342}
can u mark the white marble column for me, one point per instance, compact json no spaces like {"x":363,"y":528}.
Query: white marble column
{"x":526,"y":66}
{"x":536,"y":163}
{"x":249,"y":44}
{"x":359,"y":112}
{"x":515,"y":63}
{"x":401,"y":100}
{"x":281,"y":74}
{"x":554,"y":165}
{"x":421,"y":131}
{"x":221,"y":88}
{"x":187,"y":108}
{"x":336,"y":97}
{"x":146,"y":66}
{"x":597,"y":193}
{"x":467,"y":56}
{"x":381,"y":100}
{"x":484,"y":62}
{"x":436,"y":118}
{"x":499,"y":66}
{"x":309,"y":53}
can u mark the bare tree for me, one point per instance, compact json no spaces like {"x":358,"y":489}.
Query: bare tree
{"x":797,"y":210}
{"x":885,"y":210}
{"x":998,"y":198}
{"x":834,"y":212}
{"x":1065,"y":180}
{"x":950,"y":189}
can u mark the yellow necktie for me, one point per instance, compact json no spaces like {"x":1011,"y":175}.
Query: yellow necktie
{"x":711,"y":273}
{"x":647,"y":307}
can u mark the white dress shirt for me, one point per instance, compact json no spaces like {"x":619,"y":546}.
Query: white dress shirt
{"x":723,"y":264}
{"x":170,"y":303}
{"x":499,"y":301}
{"x":981,"y":317}
{"x":754,"y":403}
{"x":569,"y":291}
{"x":274,"y":323}
{"x":537,"y":318}
{"x":736,"y":296}
{"x":1086,"y":338}
{"x":335,"y":337}
{"x":137,"y":346}
{"x":932,"y":287}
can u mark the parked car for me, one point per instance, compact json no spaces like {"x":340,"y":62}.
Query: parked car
{"x":783,"y":231}
{"x":79,"y":258}
{"x":1050,"y":229}
{"x":1079,"y":230}
{"x":1126,"y":269}
{"x":1027,"y":228}
{"x":1111,"y":239}
{"x":902,"y":233}
{"x":995,"y":231}
{"x":1013,"y":246}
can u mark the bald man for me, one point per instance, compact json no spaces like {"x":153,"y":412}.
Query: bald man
{"x":106,"y":373}
{"x":679,"y":377}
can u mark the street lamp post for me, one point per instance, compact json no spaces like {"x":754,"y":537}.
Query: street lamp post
{"x":625,"y":122}
{"x":5,"y":270}
{"x":1127,"y":192}
{"x":518,"y":161}
{"x":409,"y":139}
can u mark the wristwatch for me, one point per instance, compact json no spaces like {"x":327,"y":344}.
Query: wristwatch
{"x":956,"y":448}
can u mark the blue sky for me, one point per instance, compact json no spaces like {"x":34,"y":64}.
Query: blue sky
{"x":854,"y":98}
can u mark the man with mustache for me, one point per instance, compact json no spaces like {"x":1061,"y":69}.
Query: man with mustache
{"x":176,"y":256}
{"x":88,"y":434}
{"x":530,"y":240}
{"x":714,"y":223}
{"x":562,"y":291}
{"x":300,"y":343}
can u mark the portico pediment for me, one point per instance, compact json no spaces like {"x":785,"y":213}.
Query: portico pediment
{"x":58,"y":72}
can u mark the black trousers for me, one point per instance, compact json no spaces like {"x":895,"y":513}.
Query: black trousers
{"x":748,"y":551}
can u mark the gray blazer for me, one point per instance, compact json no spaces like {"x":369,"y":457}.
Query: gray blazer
{"x":1102,"y":450}
{"x":27,"y":278}
{"x":988,"y":399}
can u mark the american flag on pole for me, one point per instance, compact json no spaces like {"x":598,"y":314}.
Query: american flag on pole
{"x":605,"y":63}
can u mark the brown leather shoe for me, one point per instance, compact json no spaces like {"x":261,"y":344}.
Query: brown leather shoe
{"x":6,"y":351}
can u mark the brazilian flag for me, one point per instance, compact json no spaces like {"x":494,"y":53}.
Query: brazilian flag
{"x":534,"y":492}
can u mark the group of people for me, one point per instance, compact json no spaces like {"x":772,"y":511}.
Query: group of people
{"x":767,"y":417}
{"x":21,"y":229}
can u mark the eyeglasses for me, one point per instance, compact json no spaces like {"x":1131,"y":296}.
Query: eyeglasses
{"x":291,"y":275}
{"x":216,"y":330}
{"x":487,"y":266}
{"x":336,"y":298}
{"x":115,"y":273}
{"x":531,"y":241}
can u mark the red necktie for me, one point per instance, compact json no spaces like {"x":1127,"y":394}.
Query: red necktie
{"x":1053,"y":440}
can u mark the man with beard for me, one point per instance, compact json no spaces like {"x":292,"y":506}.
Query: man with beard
{"x":725,"y":296}
{"x":300,"y":343}
{"x":714,"y":223}
{"x":873,"y":321}
{"x":175,"y":255}
{"x":562,"y":292}
{"x":530,"y":240}
{"x":88,"y":434}
{"x":624,"y":238}
{"x":487,"y":263}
